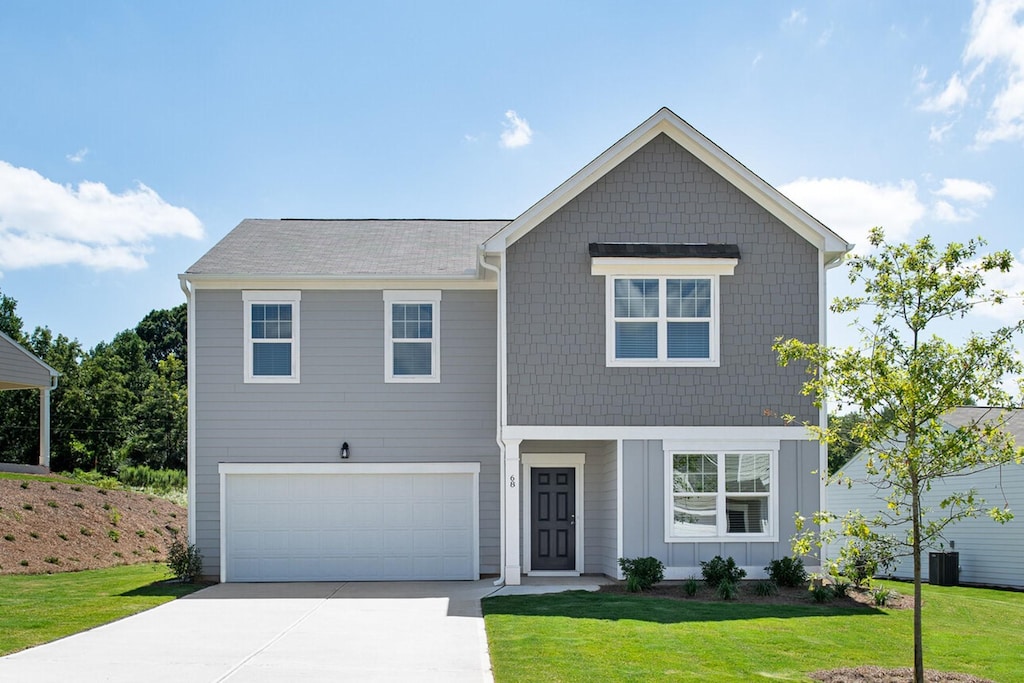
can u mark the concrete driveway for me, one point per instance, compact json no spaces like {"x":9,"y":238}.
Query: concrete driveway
{"x":410,"y":631}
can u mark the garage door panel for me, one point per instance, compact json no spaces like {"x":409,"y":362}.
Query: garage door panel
{"x":363,"y":526}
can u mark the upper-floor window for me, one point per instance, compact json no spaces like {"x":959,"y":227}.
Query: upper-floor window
{"x":412,"y":350}
{"x":664,"y":320}
{"x":271,"y":322}
{"x":662,"y":311}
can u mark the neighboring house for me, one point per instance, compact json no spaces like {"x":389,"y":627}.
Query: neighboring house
{"x":990,"y":553}
{"x":426,"y":399}
{"x":19,"y":369}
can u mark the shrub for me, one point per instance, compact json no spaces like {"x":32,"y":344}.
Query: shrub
{"x":97,"y":479}
{"x":184,"y":561}
{"x":641,"y":572}
{"x":52,"y":560}
{"x":141,"y":533}
{"x":883,"y":596}
{"x":24,"y":563}
{"x":787,"y":571}
{"x":717,"y":570}
{"x":766,"y":589}
{"x":80,"y":505}
{"x":114,"y":515}
{"x":34,"y":534}
{"x":822,"y":593}
{"x":114,"y":535}
{"x":63,"y":536}
{"x":727,"y":589}
{"x":24,"y":484}
{"x":8,"y":537}
{"x":691,"y":587}
{"x":160,"y":481}
{"x":26,"y":506}
{"x":863,"y":558}
{"x":85,"y":532}
{"x":840,"y":588}
{"x":52,"y":504}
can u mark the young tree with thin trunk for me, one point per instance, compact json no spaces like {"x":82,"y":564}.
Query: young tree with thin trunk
{"x":904,"y":379}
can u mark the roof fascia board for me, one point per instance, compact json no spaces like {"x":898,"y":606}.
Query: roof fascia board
{"x":370,"y":282}
{"x":34,"y":358}
{"x":690,"y":139}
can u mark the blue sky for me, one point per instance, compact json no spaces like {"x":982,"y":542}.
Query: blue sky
{"x":133,"y":136}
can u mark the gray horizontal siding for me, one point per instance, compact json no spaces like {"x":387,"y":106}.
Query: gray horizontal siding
{"x":643,"y":496}
{"x":556,"y":308}
{"x":342,"y":397}
{"x":17,"y":368}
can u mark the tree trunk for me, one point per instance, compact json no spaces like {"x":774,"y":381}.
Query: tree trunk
{"x":918,"y":639}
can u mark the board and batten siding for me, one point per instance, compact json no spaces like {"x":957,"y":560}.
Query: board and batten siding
{"x":990,"y":553}
{"x":556,"y":309}
{"x":644,"y":500}
{"x":600,"y":521}
{"x":342,"y":397}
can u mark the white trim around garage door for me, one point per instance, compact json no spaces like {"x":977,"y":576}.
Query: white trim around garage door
{"x":226,"y":469}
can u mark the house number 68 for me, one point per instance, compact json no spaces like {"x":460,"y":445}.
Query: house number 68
{"x":512,"y":481}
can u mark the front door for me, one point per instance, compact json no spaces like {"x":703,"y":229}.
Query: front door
{"x":553,"y":523}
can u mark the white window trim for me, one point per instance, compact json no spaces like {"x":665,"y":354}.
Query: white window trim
{"x":720,"y":448}
{"x":412,"y":296}
{"x":270,"y":297}
{"x":662,"y":360}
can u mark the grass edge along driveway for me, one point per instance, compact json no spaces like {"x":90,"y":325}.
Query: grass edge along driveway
{"x":581,"y":636}
{"x":39,"y":608}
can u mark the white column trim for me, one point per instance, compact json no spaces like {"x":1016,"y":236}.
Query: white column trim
{"x":513,"y":539}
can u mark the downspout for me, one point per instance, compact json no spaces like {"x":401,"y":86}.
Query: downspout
{"x":482,"y":258}
{"x":190,"y":465}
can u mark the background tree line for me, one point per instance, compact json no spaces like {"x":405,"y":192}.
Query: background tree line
{"x":122,"y":402}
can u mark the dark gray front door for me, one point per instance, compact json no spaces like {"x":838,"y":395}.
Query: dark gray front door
{"x":553,"y":505}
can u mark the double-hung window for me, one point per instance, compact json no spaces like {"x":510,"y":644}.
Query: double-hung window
{"x":720,"y":494}
{"x":271,"y":322}
{"x":662,"y":311}
{"x":412,"y":350}
{"x":663,"y":320}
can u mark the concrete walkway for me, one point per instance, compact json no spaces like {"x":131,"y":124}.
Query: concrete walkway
{"x":408,"y":631}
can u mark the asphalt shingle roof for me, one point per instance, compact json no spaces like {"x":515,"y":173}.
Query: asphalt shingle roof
{"x":339,"y":248}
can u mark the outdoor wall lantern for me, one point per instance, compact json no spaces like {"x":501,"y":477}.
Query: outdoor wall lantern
{"x":344,"y":451}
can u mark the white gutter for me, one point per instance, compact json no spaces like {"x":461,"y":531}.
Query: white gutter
{"x":190,"y":346}
{"x":500,"y":413}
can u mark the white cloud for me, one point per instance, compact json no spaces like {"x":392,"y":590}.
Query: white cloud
{"x":796,"y":17}
{"x":852,"y":207}
{"x":757,"y":59}
{"x":950,"y":99}
{"x":517,"y":131}
{"x":44,"y":223}
{"x":947,"y":213}
{"x":1012,"y":283}
{"x":938,"y":133}
{"x":78,"y":156}
{"x":826,"y":35}
{"x":964,"y":190}
{"x":995,"y":37}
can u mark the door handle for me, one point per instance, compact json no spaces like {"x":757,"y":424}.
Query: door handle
{"x":572,"y":520}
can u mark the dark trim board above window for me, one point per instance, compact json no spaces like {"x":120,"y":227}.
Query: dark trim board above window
{"x":670,"y":250}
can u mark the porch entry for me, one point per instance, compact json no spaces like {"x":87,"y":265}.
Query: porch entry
{"x":553,"y":505}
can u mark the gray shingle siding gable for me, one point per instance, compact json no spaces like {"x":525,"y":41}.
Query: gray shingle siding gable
{"x":343,"y":397}
{"x":556,"y":308}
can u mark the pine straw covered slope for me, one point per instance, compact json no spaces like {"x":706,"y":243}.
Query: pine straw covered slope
{"x":56,"y":526}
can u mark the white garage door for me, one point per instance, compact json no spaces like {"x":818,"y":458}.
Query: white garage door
{"x":349,"y":522}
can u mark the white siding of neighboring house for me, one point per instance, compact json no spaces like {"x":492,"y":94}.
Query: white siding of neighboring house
{"x":990,"y":553}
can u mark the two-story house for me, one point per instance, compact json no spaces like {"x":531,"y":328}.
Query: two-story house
{"x":430,"y":399}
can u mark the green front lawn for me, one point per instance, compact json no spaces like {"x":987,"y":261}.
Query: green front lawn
{"x":582,"y":636}
{"x":36,"y":609}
